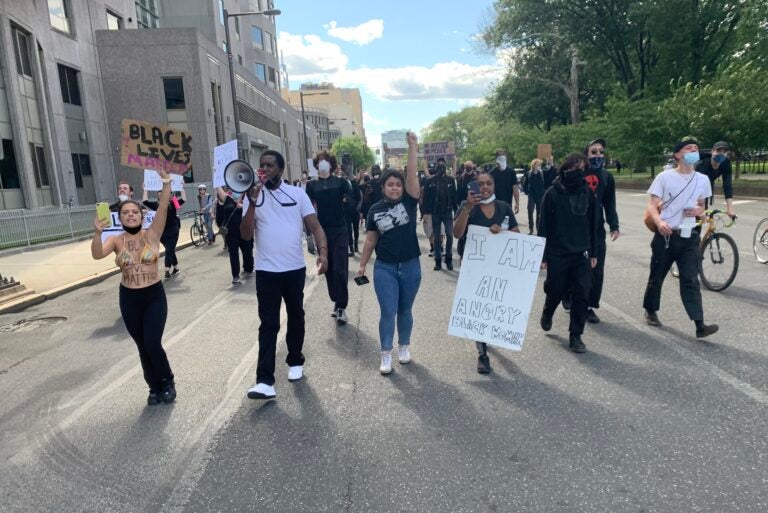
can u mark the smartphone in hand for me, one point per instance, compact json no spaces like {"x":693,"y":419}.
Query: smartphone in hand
{"x":474,"y":187}
{"x":102,"y":212}
{"x":362,"y":280}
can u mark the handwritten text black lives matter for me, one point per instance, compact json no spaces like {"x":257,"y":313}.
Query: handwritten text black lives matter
{"x":485,"y":314}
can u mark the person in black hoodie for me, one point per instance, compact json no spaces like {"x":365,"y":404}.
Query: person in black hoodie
{"x":170,"y":236}
{"x":603,"y":186}
{"x":568,"y":224}
{"x":441,"y":200}
{"x":534,"y":188}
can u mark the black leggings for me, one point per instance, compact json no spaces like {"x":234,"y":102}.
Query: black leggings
{"x":144,"y":312}
{"x":169,"y":242}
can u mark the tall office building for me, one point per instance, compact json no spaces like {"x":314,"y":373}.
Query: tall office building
{"x":343,"y":105}
{"x":71,"y":70}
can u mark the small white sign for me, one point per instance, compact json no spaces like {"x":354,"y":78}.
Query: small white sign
{"x":496,"y":284}
{"x":311,"y":167}
{"x":117,"y":227}
{"x":153,"y":181}
{"x":223,"y":155}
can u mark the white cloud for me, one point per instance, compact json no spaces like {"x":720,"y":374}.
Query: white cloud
{"x":308,"y":55}
{"x":361,"y":35}
{"x":370,"y":120}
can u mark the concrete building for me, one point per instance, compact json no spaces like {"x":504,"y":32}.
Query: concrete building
{"x":326,"y":134}
{"x":70,"y":71}
{"x":344,"y":106}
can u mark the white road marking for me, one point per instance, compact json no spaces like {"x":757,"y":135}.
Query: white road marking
{"x":670,"y":342}
{"x":743,"y":202}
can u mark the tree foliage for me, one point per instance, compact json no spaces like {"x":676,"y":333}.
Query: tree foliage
{"x":361,"y":155}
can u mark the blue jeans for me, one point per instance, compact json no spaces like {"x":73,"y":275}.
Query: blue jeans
{"x":396,"y":286}
{"x":208,"y":220}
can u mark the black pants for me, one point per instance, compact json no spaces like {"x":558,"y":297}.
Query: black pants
{"x":353,"y":228}
{"x":440,"y":221}
{"x":144,"y":312}
{"x":271,"y":290}
{"x":533,"y":204}
{"x":596,"y":290}
{"x":235,"y":243}
{"x":337,"y":275}
{"x":566,"y":272}
{"x":169,"y":241}
{"x":687,"y":255}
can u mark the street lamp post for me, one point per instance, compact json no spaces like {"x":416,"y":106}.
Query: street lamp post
{"x":241,"y":153}
{"x":302,"y":94}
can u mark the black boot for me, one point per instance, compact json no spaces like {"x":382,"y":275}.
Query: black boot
{"x":168,"y":393}
{"x":546,"y":322}
{"x":576,"y":345}
{"x":652,"y":319}
{"x":705,"y":330}
{"x":483,"y":364}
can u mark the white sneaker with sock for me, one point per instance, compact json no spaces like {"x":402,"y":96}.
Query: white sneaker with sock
{"x":341,"y":316}
{"x":261,"y":391}
{"x":295,"y":373}
{"x":405,"y":354}
{"x":386,"y":362}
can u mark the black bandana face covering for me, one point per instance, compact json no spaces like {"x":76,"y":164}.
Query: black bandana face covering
{"x":133,"y":230}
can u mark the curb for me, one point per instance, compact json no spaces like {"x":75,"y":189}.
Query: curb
{"x":35,"y":299}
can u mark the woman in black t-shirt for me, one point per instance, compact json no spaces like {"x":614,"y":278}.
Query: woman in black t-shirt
{"x":391,"y":230}
{"x":484,"y":210}
{"x":170,"y":236}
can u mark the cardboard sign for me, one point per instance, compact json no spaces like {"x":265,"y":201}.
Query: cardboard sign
{"x":496,"y":285}
{"x":153,"y":182}
{"x":155,"y":146}
{"x":223,"y":155}
{"x":543,"y":151}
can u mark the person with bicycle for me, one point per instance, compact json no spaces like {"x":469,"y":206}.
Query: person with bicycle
{"x":205,"y":205}
{"x":716,"y":166}
{"x":677,"y":199}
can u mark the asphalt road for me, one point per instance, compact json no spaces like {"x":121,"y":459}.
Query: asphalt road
{"x":649,"y":420}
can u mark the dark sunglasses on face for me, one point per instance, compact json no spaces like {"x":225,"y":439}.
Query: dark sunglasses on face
{"x":597,"y":152}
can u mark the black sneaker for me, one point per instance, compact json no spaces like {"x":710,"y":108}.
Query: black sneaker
{"x":168,"y":394}
{"x":431,"y":253}
{"x":167,"y":275}
{"x":592,"y":317}
{"x":483,"y":364}
{"x":153,"y":398}
{"x":546,"y":322}
{"x":567,"y":304}
{"x":707,"y":330}
{"x":449,"y":265}
{"x":652,"y":319}
{"x":175,"y":271}
{"x":437,"y":267}
{"x":576,"y":345}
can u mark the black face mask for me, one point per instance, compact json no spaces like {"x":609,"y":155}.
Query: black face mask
{"x":274,"y":182}
{"x":573,"y":179}
{"x":133,"y":230}
{"x":440,"y":170}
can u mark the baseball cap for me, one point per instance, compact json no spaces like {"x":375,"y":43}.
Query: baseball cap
{"x":721,"y":144}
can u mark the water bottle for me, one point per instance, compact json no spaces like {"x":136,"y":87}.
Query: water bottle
{"x":505,"y":223}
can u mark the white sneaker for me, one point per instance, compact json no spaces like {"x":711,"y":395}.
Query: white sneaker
{"x":341,"y":316}
{"x":386,"y":362}
{"x":405,"y":354}
{"x":235,"y":280}
{"x":295,"y":373}
{"x":261,"y":391}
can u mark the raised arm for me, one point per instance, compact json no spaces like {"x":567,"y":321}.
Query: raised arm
{"x":412,"y":178}
{"x":156,"y":229}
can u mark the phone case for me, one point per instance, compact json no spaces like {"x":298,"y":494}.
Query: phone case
{"x":102,"y":211}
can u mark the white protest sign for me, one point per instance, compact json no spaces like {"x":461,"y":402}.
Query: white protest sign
{"x":311,"y":166}
{"x":223,"y":155}
{"x":496,"y":284}
{"x":153,"y":181}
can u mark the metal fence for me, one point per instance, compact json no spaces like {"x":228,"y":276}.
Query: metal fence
{"x":48,"y":224}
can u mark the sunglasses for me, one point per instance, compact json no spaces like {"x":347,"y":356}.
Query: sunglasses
{"x":597,"y":152}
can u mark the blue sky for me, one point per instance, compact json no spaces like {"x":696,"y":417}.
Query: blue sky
{"x":413,"y":61}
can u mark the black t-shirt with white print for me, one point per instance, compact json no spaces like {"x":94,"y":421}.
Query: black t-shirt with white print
{"x":396,"y":224}
{"x":502,"y":209}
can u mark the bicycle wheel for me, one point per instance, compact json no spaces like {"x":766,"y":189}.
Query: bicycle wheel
{"x":194,"y":234}
{"x":760,"y":241}
{"x":719,"y":262}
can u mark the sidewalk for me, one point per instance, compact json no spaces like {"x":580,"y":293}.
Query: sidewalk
{"x":54,"y":271}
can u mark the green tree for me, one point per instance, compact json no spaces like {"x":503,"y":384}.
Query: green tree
{"x":361,"y":155}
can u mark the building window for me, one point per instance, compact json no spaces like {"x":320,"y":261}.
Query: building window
{"x":81,"y":166}
{"x":114,"y":22}
{"x":221,"y":12}
{"x":268,"y":40}
{"x":257,"y":36}
{"x":21,"y":47}
{"x":38,"y":164}
{"x":261,"y":72}
{"x":9,"y":173}
{"x":237,"y":27}
{"x":174,"y":93}
{"x":271,"y":77}
{"x":59,"y":13}
{"x":147,"y":14}
{"x":216,"y":100}
{"x":224,"y":46}
{"x":70,"y":89}
{"x":240,"y":59}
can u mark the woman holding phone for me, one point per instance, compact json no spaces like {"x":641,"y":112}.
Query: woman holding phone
{"x":483,"y":209}
{"x":391,"y":230}
{"x":142,"y":298}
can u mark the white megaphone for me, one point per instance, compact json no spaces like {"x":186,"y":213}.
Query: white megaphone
{"x":239,"y":176}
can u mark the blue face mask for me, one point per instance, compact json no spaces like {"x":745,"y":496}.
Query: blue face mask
{"x":691,"y":158}
{"x":596,"y":162}
{"x":236,"y":196}
{"x":719,"y":158}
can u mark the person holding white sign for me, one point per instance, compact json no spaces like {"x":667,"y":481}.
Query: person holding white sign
{"x":143,"y":304}
{"x":391,"y":226}
{"x":568,"y":223}
{"x":485,"y":210}
{"x":171,"y":228}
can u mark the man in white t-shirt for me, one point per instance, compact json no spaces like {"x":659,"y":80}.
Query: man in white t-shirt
{"x":276,"y":213}
{"x":677,"y":199}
